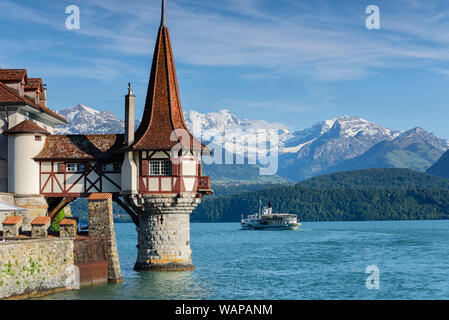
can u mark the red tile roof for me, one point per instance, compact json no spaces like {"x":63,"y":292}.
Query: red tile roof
{"x":27,"y":126}
{"x":82,"y":147}
{"x":13,"y":74}
{"x":163,"y":111}
{"x":23,"y":236}
{"x":8,"y":96}
{"x":40,"y":221}
{"x":67,"y":222}
{"x":12,"y":220}
{"x":99,"y":196}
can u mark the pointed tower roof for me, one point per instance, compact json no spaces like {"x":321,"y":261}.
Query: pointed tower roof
{"x":163,"y":112}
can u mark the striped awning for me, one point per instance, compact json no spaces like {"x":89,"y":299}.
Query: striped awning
{"x":4,"y":207}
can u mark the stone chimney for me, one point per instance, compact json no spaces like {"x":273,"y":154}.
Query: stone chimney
{"x":43,"y":98}
{"x":129,"y":116}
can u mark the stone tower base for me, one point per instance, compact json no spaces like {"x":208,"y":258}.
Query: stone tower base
{"x":164,"y":233}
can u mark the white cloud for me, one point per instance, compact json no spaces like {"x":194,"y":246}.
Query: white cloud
{"x":296,"y":37}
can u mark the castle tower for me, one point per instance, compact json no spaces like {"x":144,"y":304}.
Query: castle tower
{"x":25,"y":141}
{"x":161,"y":172}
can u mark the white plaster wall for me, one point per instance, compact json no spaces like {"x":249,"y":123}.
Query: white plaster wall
{"x":189,"y":168}
{"x":56,"y":187}
{"x":18,"y":87}
{"x":23,"y":171}
{"x":159,"y":155}
{"x":9,"y":199}
{"x":108,"y":186}
{"x":189,"y":183}
{"x":129,"y":174}
{"x":3,"y":175}
{"x":46,"y":166}
{"x":153,"y":184}
{"x":71,"y":179}
{"x":44,"y":178}
{"x":17,"y":117}
{"x":166,"y":184}
{"x":93,"y":176}
{"x":3,"y":154}
{"x":31,"y":95}
{"x":3,"y":139}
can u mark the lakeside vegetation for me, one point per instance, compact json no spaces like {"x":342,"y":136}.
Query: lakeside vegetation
{"x":373,"y":194}
{"x":238,"y":174}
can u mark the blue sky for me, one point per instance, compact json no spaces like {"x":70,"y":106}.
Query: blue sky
{"x":288,"y":61}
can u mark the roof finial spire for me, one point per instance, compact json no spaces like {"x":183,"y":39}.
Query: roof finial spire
{"x":163,"y":19}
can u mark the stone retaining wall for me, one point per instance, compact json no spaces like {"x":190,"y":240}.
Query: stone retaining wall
{"x":34,"y":267}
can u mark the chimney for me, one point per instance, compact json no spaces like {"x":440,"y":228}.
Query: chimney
{"x":129,"y":116}
{"x":43,"y":97}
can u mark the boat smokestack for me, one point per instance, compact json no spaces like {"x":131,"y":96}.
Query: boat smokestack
{"x":129,"y":116}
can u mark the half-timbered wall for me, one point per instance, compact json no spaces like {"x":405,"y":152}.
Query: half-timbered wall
{"x":78,"y":178}
{"x":183,"y":176}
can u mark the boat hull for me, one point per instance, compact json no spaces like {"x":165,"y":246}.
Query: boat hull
{"x":290,"y":226}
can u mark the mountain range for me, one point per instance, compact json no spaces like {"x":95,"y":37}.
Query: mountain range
{"x":339,"y":144}
{"x":352,"y":143}
{"x":82,"y":119}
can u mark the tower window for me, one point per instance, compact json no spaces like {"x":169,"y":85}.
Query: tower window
{"x":160,"y":168}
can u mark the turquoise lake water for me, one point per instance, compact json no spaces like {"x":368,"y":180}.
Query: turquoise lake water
{"x":319,"y":261}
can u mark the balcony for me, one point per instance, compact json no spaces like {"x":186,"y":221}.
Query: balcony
{"x":204,"y":185}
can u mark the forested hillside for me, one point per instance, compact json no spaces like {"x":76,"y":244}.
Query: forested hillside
{"x":374,"y":194}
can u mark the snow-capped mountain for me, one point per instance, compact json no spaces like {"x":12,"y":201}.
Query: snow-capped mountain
{"x":83,"y":120}
{"x":210,"y":126}
{"x":341,"y":143}
{"x":346,"y":143}
{"x":244,"y":137}
{"x":349,"y":143}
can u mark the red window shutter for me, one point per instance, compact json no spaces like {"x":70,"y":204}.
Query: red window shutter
{"x":145,"y":168}
{"x":62,"y":167}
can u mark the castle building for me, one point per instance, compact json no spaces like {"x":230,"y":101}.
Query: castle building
{"x":21,"y":99}
{"x":153,"y":172}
